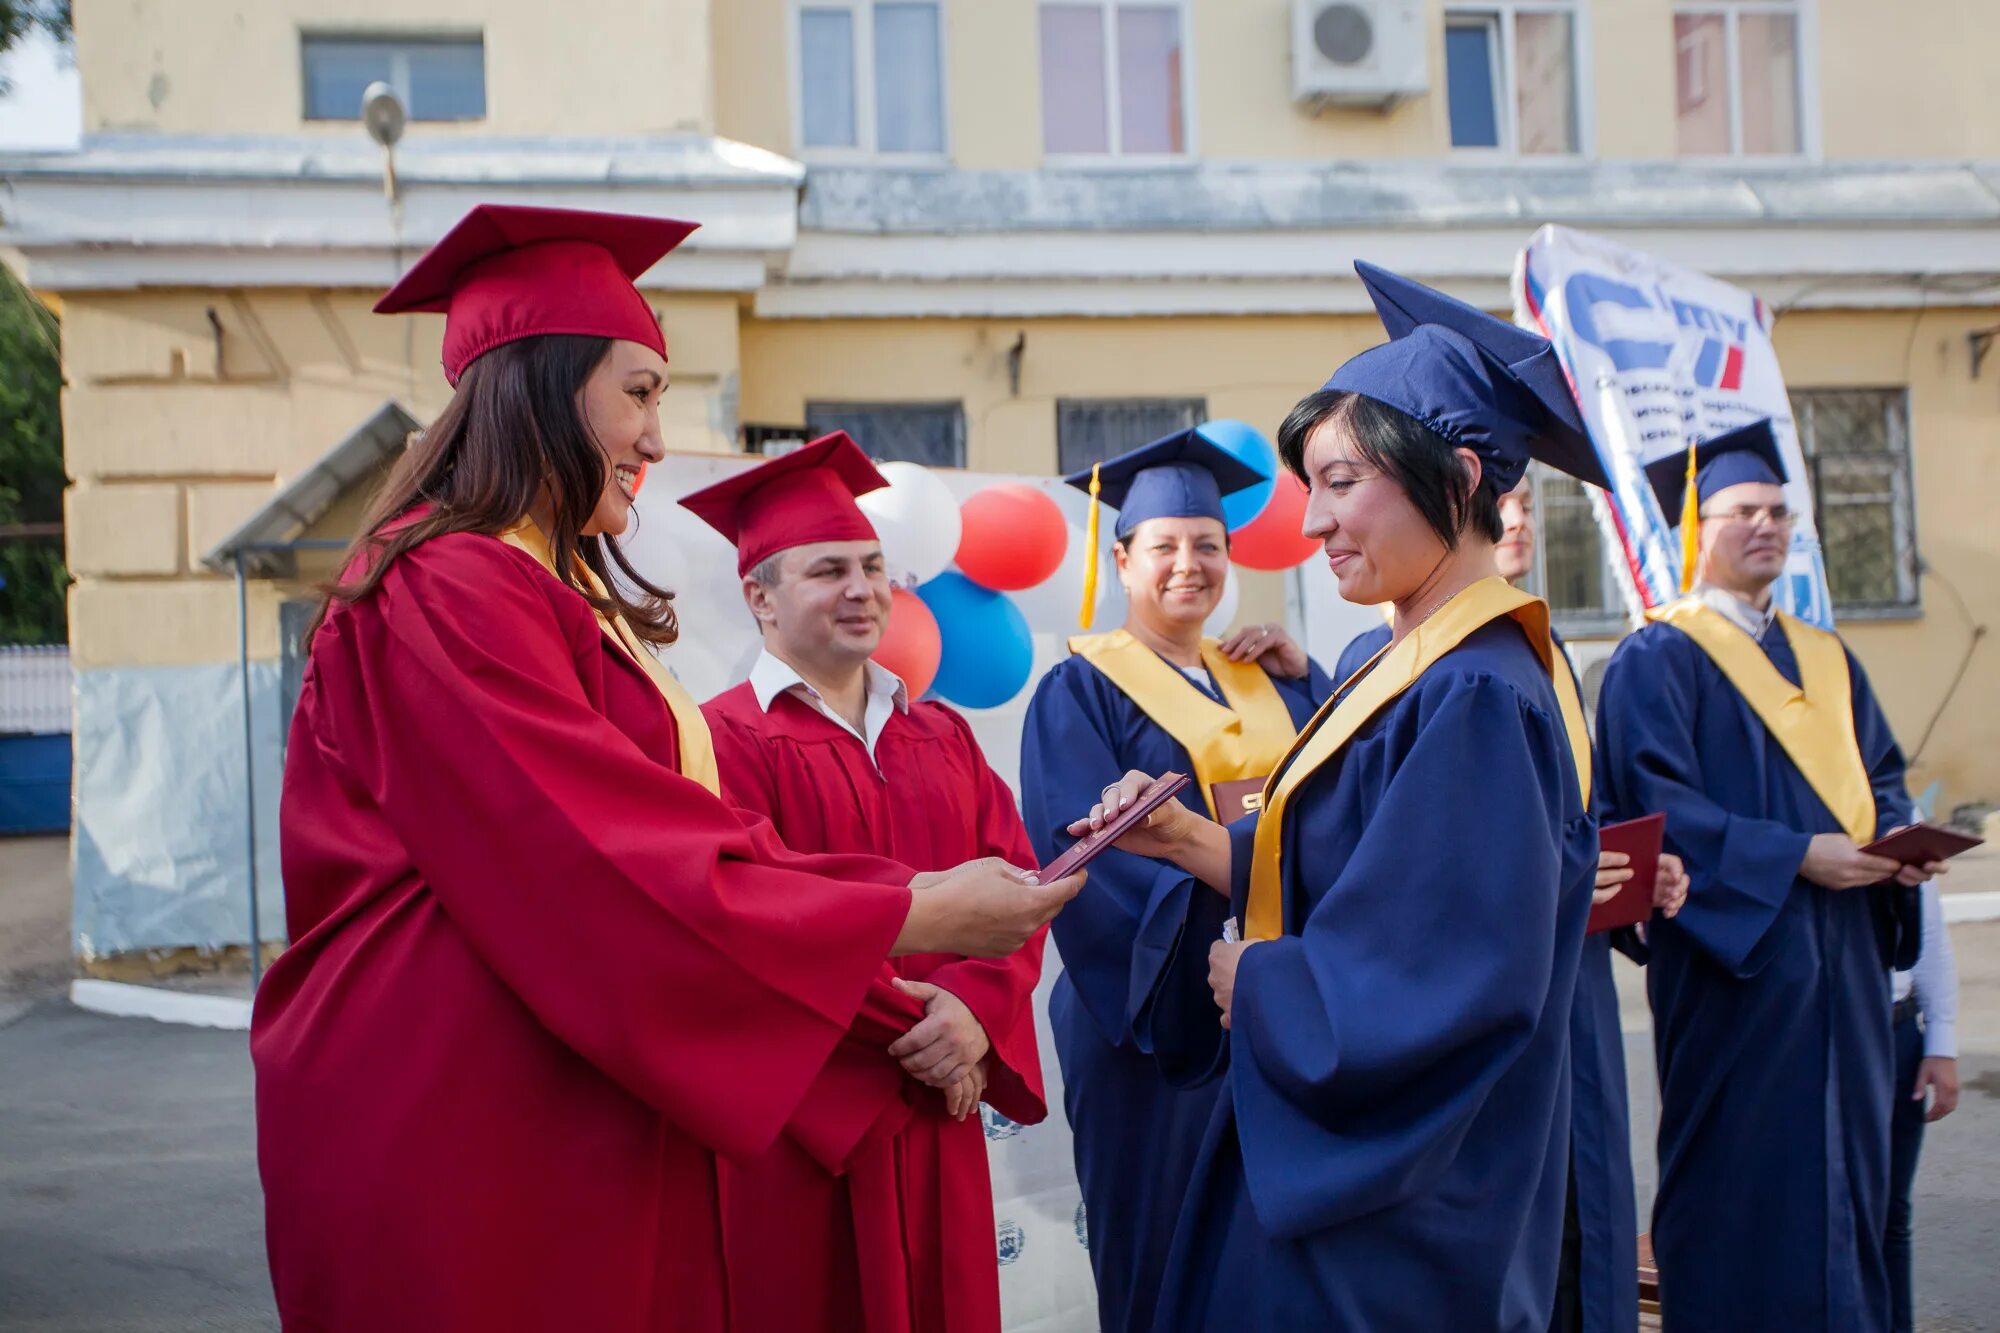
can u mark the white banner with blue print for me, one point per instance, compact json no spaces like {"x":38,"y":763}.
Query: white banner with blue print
{"x":1659,"y":355}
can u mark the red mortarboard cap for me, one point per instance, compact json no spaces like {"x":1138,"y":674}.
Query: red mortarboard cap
{"x":804,"y":496}
{"x":507,"y":271}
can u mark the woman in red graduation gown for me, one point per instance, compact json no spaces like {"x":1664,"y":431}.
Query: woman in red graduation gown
{"x":540,"y":973}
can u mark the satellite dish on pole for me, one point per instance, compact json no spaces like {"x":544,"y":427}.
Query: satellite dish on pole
{"x":382,"y":116}
{"x":382,"y":113}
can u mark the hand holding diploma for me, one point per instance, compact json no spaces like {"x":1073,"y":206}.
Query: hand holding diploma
{"x":1170,"y":833}
{"x":982,"y":909}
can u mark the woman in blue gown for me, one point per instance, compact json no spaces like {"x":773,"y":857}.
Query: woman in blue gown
{"x":1597,"y":1291}
{"x":1389,"y":1146}
{"x":1232,"y":707}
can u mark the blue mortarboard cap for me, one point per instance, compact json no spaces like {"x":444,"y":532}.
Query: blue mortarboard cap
{"x":1183,"y":475}
{"x":1478,"y":381}
{"x":1748,"y":453}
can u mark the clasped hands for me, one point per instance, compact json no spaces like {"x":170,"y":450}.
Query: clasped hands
{"x":946,"y":1049}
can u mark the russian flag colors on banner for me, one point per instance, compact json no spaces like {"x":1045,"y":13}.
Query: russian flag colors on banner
{"x":1659,"y":355}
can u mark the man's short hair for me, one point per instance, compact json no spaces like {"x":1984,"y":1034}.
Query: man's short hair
{"x":768,"y":570}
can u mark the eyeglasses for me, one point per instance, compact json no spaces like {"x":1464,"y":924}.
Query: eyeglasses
{"x":1776,"y":515}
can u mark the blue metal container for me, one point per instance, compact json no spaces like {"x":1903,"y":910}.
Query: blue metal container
{"x":34,"y":784}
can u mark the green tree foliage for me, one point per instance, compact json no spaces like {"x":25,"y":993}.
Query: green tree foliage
{"x":31,"y":468}
{"x":18,"y":18}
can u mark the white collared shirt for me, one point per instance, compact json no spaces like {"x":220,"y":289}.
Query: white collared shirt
{"x":1737,"y":611}
{"x":887,"y":695}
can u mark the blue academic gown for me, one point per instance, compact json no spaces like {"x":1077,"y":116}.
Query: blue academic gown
{"x":1135,"y":1136}
{"x":1770,"y":1001}
{"x":1600,"y":1109}
{"x":1389,"y":1147}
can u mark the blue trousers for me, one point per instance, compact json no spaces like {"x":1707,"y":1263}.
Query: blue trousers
{"x":1906,"y":1136}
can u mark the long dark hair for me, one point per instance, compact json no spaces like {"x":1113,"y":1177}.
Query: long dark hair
{"x":1415,"y":457}
{"x":513,"y":427}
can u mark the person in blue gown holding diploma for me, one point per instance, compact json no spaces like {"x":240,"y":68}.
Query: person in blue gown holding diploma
{"x":1154,"y":694}
{"x":1759,"y":738}
{"x":1389,"y":1147}
{"x":1597,"y":1291}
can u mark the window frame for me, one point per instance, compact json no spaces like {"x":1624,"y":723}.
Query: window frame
{"x":862,"y":25}
{"x":399,"y":69}
{"x":1193,"y":406}
{"x":1609,"y":619}
{"x":960,"y":442}
{"x":1902,"y":499}
{"x":1113,"y":157}
{"x":1805,"y":17}
{"x":1503,"y":15}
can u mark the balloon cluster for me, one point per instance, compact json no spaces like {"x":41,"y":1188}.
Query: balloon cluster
{"x":955,"y":631}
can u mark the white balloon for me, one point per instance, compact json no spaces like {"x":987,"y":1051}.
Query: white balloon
{"x":1220,"y":619}
{"x":917,"y":519}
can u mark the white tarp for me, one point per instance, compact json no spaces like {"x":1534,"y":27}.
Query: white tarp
{"x":1660,"y":355}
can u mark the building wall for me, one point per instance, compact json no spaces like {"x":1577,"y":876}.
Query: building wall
{"x":1887,"y":89}
{"x":233,"y":66}
{"x":170,"y":444}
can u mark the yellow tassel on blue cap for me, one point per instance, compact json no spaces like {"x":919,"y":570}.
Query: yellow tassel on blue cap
{"x":1690,"y":526}
{"x":1089,"y":610}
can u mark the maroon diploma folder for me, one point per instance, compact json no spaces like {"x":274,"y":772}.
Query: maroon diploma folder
{"x":1921,"y":844}
{"x":1639,"y":839}
{"x":1085,"y":849}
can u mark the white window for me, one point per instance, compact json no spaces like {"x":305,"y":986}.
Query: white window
{"x":870,"y":78}
{"x":435,"y":77}
{"x":1739,"y":80}
{"x":1114,"y":78}
{"x":1511,"y":80}
{"x":1573,"y":570}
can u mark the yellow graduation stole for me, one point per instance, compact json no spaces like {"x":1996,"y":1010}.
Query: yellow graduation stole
{"x":696,"y":745}
{"x":1398,"y":667}
{"x":1813,"y":721}
{"x":1227,"y":743}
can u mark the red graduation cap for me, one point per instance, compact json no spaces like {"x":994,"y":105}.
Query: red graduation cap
{"x":804,"y":496}
{"x":508,"y":271}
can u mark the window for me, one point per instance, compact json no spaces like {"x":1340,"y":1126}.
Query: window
{"x":1572,"y":564}
{"x":1857,"y":444}
{"x":1090,"y":430}
{"x":1114,"y":79}
{"x":1510,"y":78}
{"x":870,"y":77}
{"x":437,"y":78}
{"x":929,"y":433}
{"x":1737,"y":78}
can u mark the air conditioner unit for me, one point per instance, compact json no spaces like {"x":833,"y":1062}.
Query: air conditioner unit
{"x":1359,"y":52}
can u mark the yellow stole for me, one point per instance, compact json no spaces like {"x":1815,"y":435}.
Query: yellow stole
{"x":697,"y":747}
{"x":1396,"y":668}
{"x":1813,"y":721}
{"x":1227,"y":743}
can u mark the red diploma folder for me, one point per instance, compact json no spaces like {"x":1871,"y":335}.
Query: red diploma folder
{"x":1639,"y":839}
{"x":1921,"y":844}
{"x":1085,"y":849}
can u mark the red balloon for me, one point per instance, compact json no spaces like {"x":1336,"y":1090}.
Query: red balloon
{"x":1013,"y":537}
{"x":1271,"y":540}
{"x":911,"y":646}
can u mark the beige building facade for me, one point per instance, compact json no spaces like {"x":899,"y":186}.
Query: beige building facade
{"x":1008,"y":235}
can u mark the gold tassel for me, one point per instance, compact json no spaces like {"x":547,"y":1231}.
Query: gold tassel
{"x":1089,"y":610}
{"x":1690,"y":528}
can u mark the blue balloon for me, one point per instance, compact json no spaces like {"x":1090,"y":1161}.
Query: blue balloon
{"x":987,"y":649}
{"x":1247,"y":444}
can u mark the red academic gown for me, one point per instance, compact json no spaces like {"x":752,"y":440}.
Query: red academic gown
{"x":878,"y":1201}
{"x":538,"y":979}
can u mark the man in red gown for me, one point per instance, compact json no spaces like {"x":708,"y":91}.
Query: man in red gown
{"x":874,"y":1210}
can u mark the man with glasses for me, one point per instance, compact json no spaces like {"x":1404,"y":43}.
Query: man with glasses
{"x":1759,"y":738}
